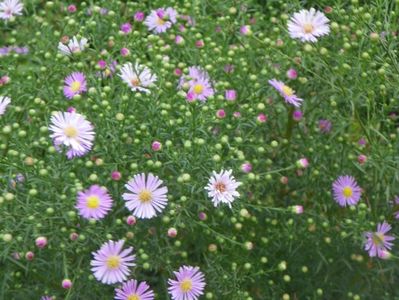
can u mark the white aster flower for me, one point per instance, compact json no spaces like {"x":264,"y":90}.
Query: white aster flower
{"x":137,"y":77}
{"x":4,"y":101}
{"x":74,"y":46}
{"x":308,"y":25}
{"x":9,"y":8}
{"x":222,"y":188}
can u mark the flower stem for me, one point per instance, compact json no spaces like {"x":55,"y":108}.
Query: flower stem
{"x":290,"y":123}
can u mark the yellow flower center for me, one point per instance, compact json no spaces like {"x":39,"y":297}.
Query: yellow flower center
{"x":220,"y":186}
{"x":75,"y":86}
{"x":198,"y":88}
{"x":347,"y":192}
{"x":378,"y":238}
{"x":113,"y":262}
{"x":160,"y":21}
{"x":93,"y":202}
{"x":135,"y":82}
{"x":71,"y":132}
{"x":145,"y":196}
{"x":186,"y":285}
{"x":308,"y":28}
{"x":287,"y":90}
{"x":133,"y":297}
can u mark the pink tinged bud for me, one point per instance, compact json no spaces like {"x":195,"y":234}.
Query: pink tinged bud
{"x":297,"y":115}
{"x":252,"y":21}
{"x":156,"y":146}
{"x":102,"y":64}
{"x":5,"y":79}
{"x":246,"y":167}
{"x":236,"y":114}
{"x":182,"y":28}
{"x":139,"y":16}
{"x":71,"y":8}
{"x":125,"y":52}
{"x":262,"y":118}
{"x":130,"y":220}
{"x":190,"y":97}
{"x":303,"y":163}
{"x":218,"y":29}
{"x":116,"y":175}
{"x":126,"y":28}
{"x":245,"y":30}
{"x":202,"y":216}
{"x":298,"y":209}
{"x":292,"y":74}
{"x":71,"y":109}
{"x":384,"y":254}
{"x":179,"y":39}
{"x":41,"y":242}
{"x":199,"y":44}
{"x":362,"y":159}
{"x":220,"y":113}
{"x":172,"y":232}
{"x":66,"y":284}
{"x":279,"y":43}
{"x":73,"y":236}
{"x":328,"y":9}
{"x":16,"y":256}
{"x":178,"y":72}
{"x":29,"y":255}
{"x":230,"y":95}
{"x":362,"y":142}
{"x":284,"y":180}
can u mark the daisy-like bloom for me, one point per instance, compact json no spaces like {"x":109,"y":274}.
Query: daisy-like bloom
{"x":137,"y":77}
{"x":4,"y":101}
{"x":9,"y":8}
{"x":346,"y":191}
{"x":94,"y":203}
{"x":75,"y":84}
{"x":308,"y":25}
{"x":222,"y":188}
{"x":74,"y":46}
{"x":147,"y":197}
{"x":199,"y":84}
{"x":161,"y":19}
{"x":378,"y":243}
{"x":286,"y":92}
{"x":111,"y":264}
{"x":72,"y":131}
{"x":189,"y":285}
{"x":134,"y":290}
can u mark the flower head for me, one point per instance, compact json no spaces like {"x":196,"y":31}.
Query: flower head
{"x":346,"y":191}
{"x":308,"y":25}
{"x":9,"y":8}
{"x":94,"y":203}
{"x":286,"y":92}
{"x":4,"y":101}
{"x":137,"y":77}
{"x":396,"y":200}
{"x":134,"y":290}
{"x":147,"y":197}
{"x":189,"y":284}
{"x":161,"y":20}
{"x":199,"y":84}
{"x":75,"y":84}
{"x":72,"y":131}
{"x":222,"y":188}
{"x":111,"y":263}
{"x":74,"y":46}
{"x":378,"y":243}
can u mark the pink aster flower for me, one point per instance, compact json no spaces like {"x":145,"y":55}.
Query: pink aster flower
{"x":72,"y":131}
{"x":161,"y":20}
{"x":9,"y":8}
{"x":292,"y":74}
{"x":308,"y":25}
{"x":189,"y":284}
{"x":94,"y":203}
{"x":126,"y":28}
{"x":134,"y":290}
{"x":230,"y":95}
{"x":378,"y":243}
{"x":286,"y":92}
{"x":325,"y":126}
{"x":346,"y":191}
{"x":199,"y":84}
{"x":75,"y":84}
{"x":147,"y":197}
{"x":139,"y":16}
{"x":111,"y":264}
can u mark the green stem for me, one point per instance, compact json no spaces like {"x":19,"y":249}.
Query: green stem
{"x":290,"y":123}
